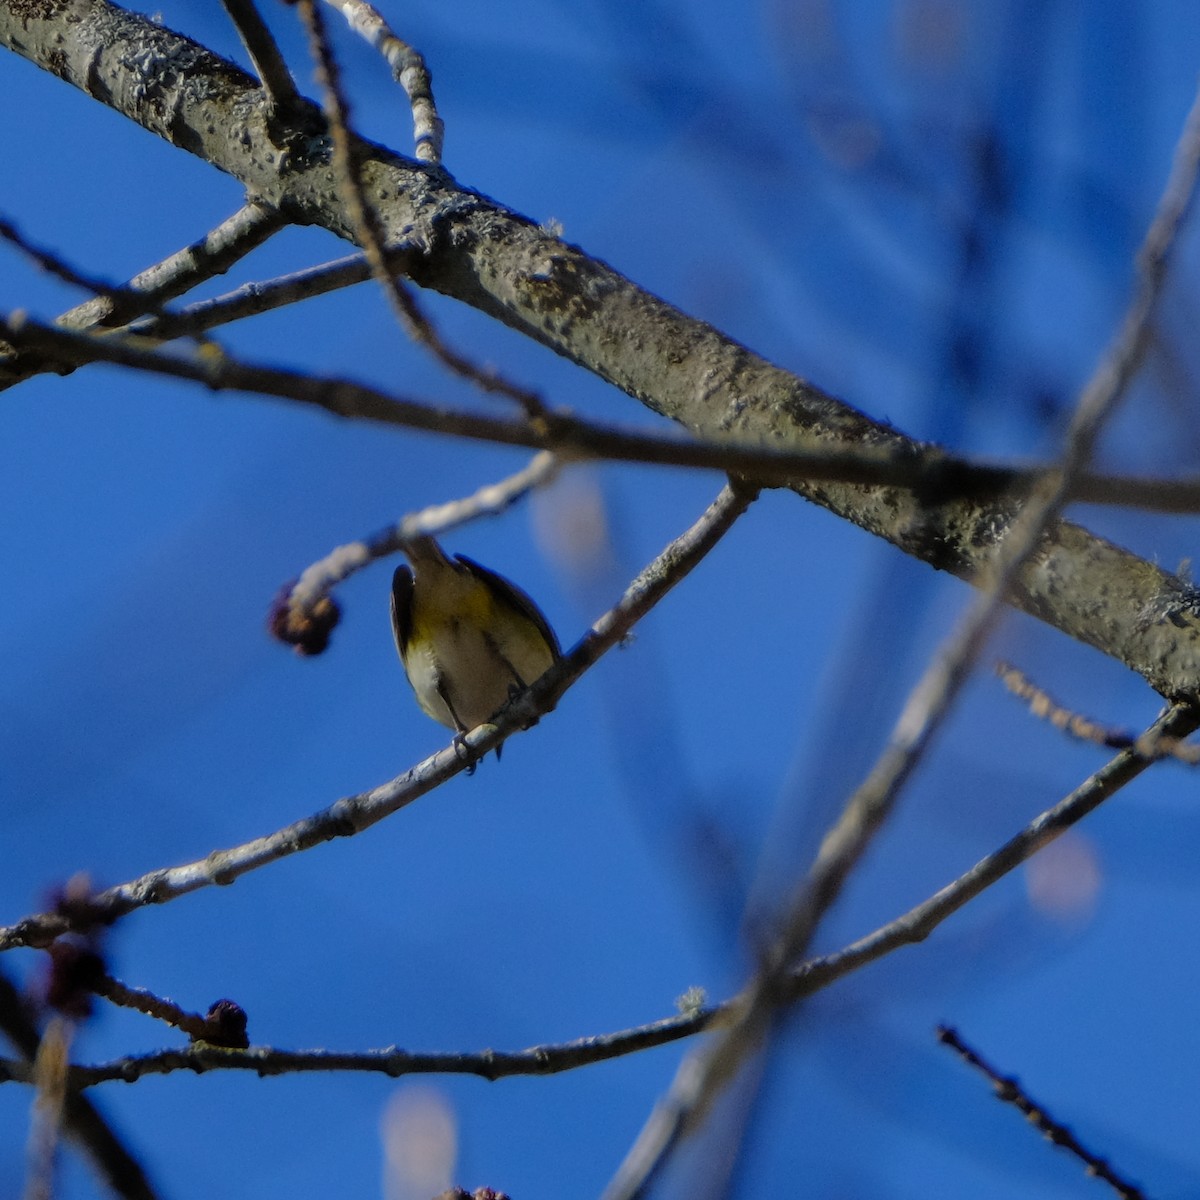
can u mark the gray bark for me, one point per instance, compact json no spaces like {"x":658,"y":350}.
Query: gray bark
{"x":487,"y":256}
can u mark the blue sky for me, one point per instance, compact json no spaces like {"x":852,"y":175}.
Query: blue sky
{"x":808,"y":178}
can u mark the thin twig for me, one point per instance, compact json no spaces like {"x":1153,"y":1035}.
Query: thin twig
{"x":1044,"y":707}
{"x":702,"y":1076}
{"x":54,"y":264}
{"x":911,"y":928}
{"x":206,"y":258}
{"x":147,"y":291}
{"x":158,"y":1007}
{"x":936,"y":474}
{"x":319,"y":579}
{"x":409,"y":71}
{"x":505,"y":267}
{"x":88,"y":1129}
{"x":368,"y":231}
{"x":264,"y":53}
{"x":919,"y":922}
{"x":253,"y":299}
{"x":1009,"y":1090}
{"x":1047,"y":709}
{"x":392,"y":1061}
{"x":353,"y":814}
{"x":224,"y":1025}
{"x":50,"y":1079}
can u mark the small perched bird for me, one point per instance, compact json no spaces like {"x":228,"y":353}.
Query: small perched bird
{"x":469,"y":640}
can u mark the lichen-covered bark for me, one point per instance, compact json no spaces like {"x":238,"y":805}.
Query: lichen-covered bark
{"x":503,"y":264}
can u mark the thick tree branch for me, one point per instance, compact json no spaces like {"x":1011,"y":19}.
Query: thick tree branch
{"x":701,"y":1079}
{"x":508,"y":267}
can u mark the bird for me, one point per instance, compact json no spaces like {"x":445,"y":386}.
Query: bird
{"x":469,"y":639}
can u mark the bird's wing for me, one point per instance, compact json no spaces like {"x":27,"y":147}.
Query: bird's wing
{"x":402,"y":597}
{"x":517,"y":598}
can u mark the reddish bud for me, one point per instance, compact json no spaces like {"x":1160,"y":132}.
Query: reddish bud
{"x":307,"y":631}
{"x":80,"y":906}
{"x":76,"y":970}
{"x":225,"y":1025}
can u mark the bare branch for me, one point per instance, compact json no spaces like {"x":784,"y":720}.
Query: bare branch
{"x":319,"y":579}
{"x":264,"y":53}
{"x":159,"y":1007}
{"x":251,"y":299}
{"x":223,"y":1025}
{"x":933,"y":473}
{"x":1047,"y":709}
{"x":1043,"y":706}
{"x":54,"y":264}
{"x":87,"y":1128}
{"x":370,"y":233}
{"x":911,"y":928}
{"x":914,"y":926}
{"x":700,"y":1079}
{"x":558,"y":431}
{"x":353,"y":814}
{"x":488,"y":1064}
{"x":212,"y":255}
{"x":409,"y":71}
{"x":512,"y":269}
{"x":919,"y":922}
{"x":1009,"y":1090}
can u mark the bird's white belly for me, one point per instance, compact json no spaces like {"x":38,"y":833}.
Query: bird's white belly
{"x":462,"y":666}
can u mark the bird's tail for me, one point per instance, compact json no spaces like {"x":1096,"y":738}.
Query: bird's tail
{"x":424,"y":549}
